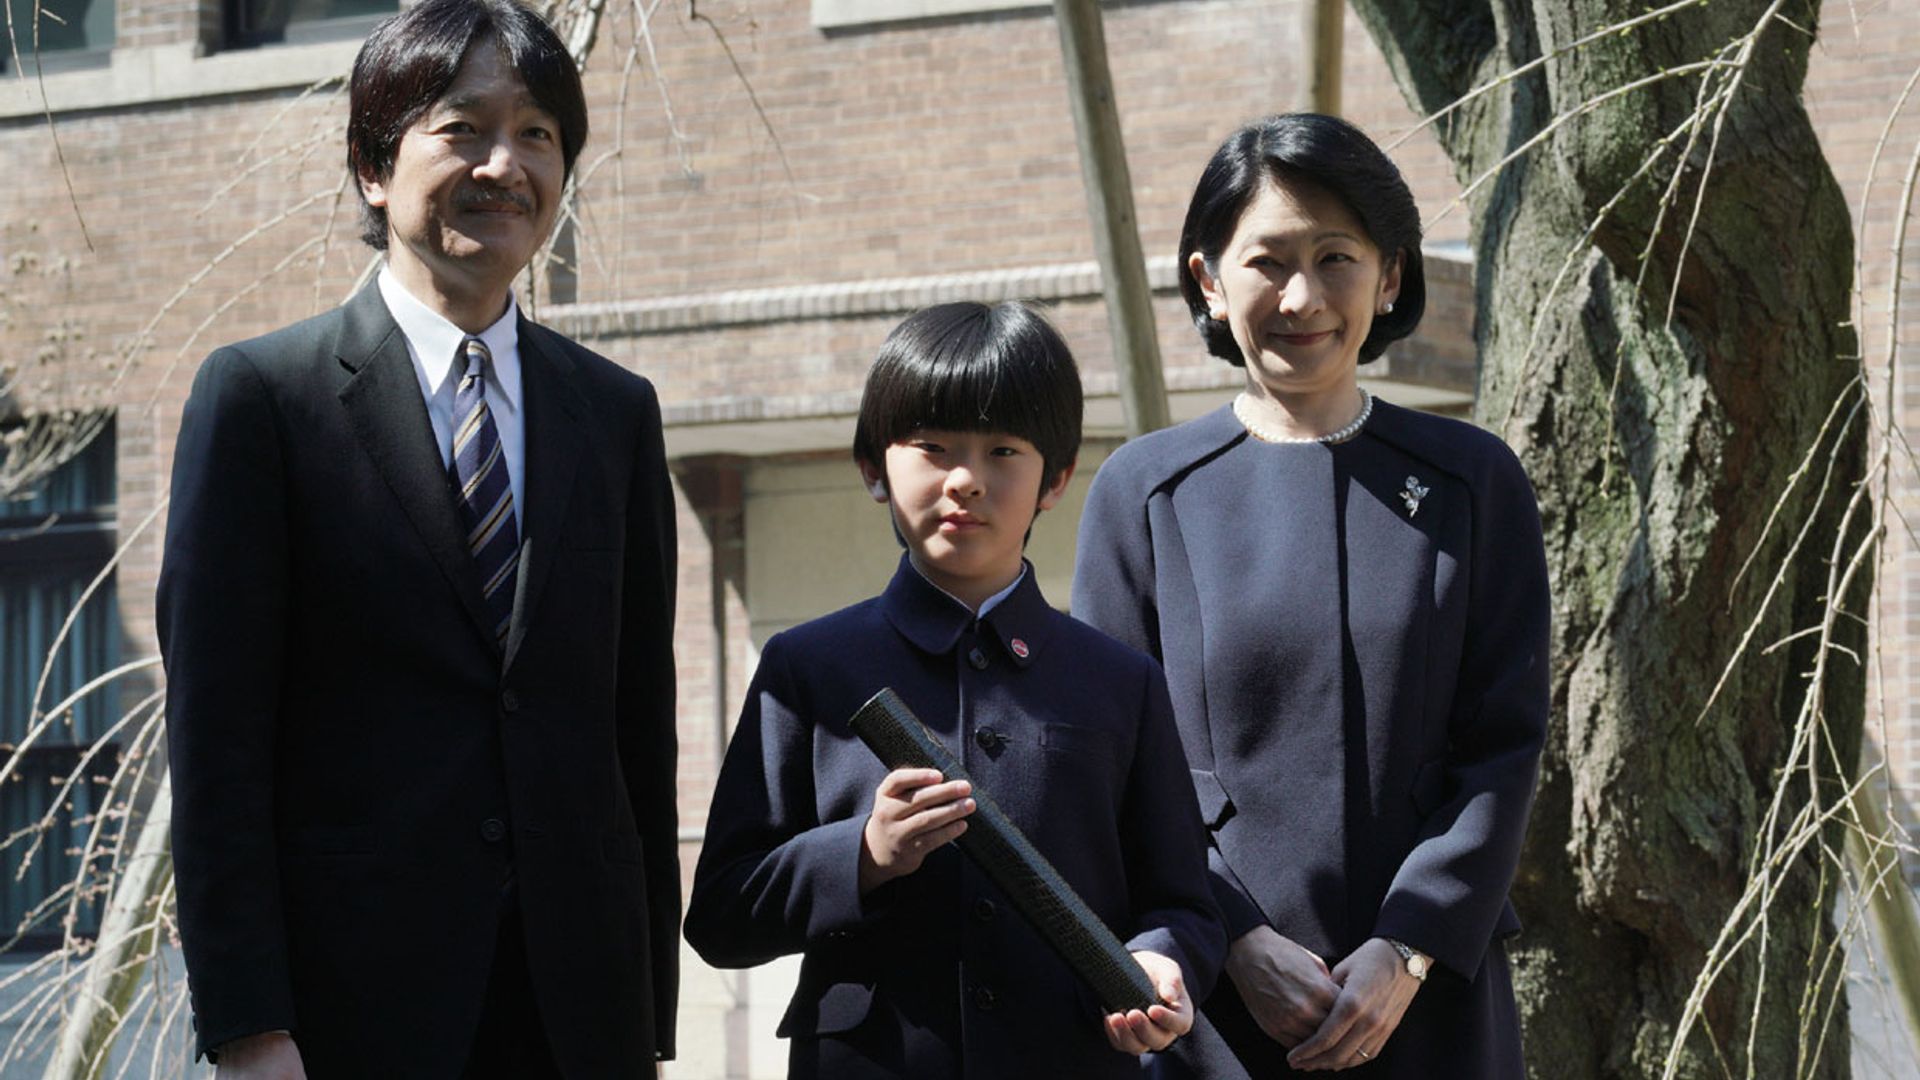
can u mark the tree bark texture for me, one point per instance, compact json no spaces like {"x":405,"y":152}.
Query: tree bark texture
{"x":1659,"y":448}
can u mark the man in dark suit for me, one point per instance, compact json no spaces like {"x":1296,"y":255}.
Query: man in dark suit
{"x":416,"y":610}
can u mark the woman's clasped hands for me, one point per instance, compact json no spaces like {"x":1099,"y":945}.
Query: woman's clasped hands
{"x":1327,"y":1018}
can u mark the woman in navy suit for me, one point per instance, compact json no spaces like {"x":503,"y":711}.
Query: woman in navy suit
{"x":1350,"y":600}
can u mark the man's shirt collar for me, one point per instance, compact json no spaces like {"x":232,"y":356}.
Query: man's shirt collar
{"x":436,"y":342}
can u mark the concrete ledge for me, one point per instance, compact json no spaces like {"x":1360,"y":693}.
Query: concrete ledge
{"x":880,"y":296}
{"x":174,"y":72}
{"x":839,"y":14}
{"x":835,"y":300}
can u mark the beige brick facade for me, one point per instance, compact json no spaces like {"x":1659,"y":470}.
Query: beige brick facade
{"x":1858,"y":77}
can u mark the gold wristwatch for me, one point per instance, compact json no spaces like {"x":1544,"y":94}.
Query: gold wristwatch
{"x":1416,"y":964}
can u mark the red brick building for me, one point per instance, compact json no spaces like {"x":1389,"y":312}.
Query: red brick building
{"x":769,"y":185}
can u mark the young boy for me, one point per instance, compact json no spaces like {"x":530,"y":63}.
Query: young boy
{"x":915,"y":964}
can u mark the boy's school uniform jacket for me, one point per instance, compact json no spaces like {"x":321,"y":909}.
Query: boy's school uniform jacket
{"x":934,"y":974}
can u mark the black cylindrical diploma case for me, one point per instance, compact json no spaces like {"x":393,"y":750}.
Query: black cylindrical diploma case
{"x":1042,"y":896}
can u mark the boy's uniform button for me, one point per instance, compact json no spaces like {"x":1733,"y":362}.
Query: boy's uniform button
{"x":977,"y":658}
{"x":984,"y":998}
{"x":984,"y":910}
{"x":987,"y":738}
{"x":493,"y":830}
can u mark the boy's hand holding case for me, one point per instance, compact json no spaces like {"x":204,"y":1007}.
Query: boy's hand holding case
{"x":900,"y":740}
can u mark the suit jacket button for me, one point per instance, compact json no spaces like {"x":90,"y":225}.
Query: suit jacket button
{"x":509,"y":701}
{"x":977,"y":658}
{"x":984,"y":910}
{"x":984,"y":998}
{"x":493,"y":830}
{"x":987,"y":738}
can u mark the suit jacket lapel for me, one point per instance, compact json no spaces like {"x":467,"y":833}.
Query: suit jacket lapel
{"x":383,"y":402}
{"x":555,"y":415}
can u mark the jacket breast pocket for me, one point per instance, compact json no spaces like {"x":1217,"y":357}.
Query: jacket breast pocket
{"x":1075,"y":740}
{"x":836,"y":1008}
{"x":601,"y":563}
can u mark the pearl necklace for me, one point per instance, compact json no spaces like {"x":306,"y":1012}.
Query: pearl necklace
{"x":1243,"y":411}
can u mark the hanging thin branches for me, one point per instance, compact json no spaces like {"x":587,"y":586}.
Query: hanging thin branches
{"x":1819,"y":792}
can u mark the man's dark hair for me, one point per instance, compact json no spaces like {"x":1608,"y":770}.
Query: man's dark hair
{"x":1325,"y":151}
{"x":410,"y":60}
{"x":970,"y":366}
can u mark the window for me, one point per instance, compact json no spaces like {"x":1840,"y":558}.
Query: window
{"x":68,"y":29}
{"x":52,"y":546}
{"x":271,"y":22}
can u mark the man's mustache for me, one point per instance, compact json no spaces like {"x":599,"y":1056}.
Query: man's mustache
{"x":483,"y":198}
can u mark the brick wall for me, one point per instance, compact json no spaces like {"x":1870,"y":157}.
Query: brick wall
{"x":156,"y":22}
{"x":1865,"y":59}
{"x":925,"y":149}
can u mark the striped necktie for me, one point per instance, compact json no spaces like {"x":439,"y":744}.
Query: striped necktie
{"x":480,"y":482}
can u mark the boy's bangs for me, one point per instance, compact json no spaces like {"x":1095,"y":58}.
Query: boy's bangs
{"x":968,"y":366}
{"x":972,"y":388}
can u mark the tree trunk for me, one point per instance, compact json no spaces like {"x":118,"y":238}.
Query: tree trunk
{"x":1659,"y":447}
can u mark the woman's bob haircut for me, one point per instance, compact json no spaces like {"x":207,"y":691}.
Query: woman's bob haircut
{"x":970,"y":366}
{"x":1304,"y":148}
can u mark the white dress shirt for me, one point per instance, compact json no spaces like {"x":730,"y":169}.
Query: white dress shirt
{"x":433,"y":343}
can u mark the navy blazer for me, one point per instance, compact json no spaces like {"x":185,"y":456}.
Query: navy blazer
{"x":1355,"y":638}
{"x":358,"y":766}
{"x":934,"y":974}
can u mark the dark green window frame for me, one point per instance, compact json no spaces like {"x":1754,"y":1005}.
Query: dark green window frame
{"x":72,"y":33}
{"x":52,"y":547}
{"x":252,"y":23}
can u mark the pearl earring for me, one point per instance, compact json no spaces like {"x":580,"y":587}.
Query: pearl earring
{"x":1386,"y":308}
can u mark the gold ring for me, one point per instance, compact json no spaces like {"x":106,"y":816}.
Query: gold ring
{"x":1364,"y":1056}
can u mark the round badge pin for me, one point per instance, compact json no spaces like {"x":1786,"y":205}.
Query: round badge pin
{"x":1019,"y":648}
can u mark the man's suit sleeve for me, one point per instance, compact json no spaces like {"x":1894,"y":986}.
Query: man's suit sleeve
{"x":645,"y":704}
{"x":222,"y":611}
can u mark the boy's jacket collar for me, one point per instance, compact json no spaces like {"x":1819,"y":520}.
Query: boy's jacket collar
{"x":933,"y":621}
